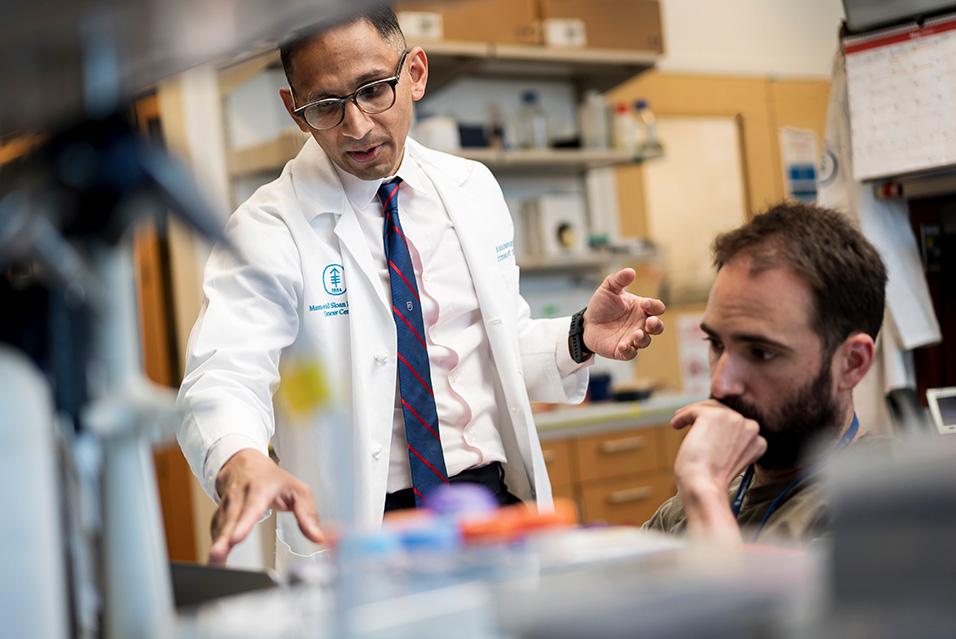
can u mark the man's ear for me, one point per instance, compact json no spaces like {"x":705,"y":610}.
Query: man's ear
{"x":286,"y":95}
{"x":418,"y":72}
{"x":853,"y":359}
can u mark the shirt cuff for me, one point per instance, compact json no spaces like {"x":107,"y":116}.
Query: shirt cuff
{"x":219,"y":453}
{"x":562,"y":353}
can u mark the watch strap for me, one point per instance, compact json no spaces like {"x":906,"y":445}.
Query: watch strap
{"x":579,"y":352}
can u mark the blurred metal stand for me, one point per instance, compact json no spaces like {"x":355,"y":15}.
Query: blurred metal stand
{"x":70,"y":67}
{"x":45,"y":46}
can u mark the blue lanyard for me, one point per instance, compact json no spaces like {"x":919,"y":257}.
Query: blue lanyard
{"x":749,"y":477}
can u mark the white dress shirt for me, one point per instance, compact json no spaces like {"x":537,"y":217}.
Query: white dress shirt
{"x":462,"y":372}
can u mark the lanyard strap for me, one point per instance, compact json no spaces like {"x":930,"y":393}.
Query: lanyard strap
{"x":749,"y":477}
{"x":742,"y":490}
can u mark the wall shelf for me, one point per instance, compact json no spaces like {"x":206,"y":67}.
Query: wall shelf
{"x":584,"y":262}
{"x":269,"y":157}
{"x":551,"y":160}
{"x":594,"y":260}
{"x":598,"y":69}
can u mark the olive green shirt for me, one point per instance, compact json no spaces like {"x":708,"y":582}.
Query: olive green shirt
{"x":800,"y":517}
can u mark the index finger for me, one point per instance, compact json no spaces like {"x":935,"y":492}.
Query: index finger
{"x":230,"y":511}
{"x":683,"y":419}
{"x":687,"y":415}
{"x":255,"y":506}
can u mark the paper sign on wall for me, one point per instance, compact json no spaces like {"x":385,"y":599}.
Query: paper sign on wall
{"x":799,"y":155}
{"x":694,"y":352}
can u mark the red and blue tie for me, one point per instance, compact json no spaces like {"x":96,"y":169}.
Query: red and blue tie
{"x":414,"y":374}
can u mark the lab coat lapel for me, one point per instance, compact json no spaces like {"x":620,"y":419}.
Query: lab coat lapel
{"x":320,"y":191}
{"x":352,"y":242}
{"x":491,"y":288}
{"x":477,"y":247}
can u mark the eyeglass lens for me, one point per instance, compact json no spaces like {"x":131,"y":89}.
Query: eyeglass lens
{"x":372,"y":99}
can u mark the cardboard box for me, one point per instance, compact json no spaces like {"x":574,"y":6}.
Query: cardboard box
{"x":611,"y":24}
{"x":508,"y":21}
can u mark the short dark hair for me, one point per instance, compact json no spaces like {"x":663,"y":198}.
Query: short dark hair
{"x":382,"y":18}
{"x":844,"y":271}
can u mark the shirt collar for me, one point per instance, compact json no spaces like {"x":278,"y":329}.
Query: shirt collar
{"x":360,"y":193}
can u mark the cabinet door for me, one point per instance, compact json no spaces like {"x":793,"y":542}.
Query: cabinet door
{"x":557,"y":457}
{"x":625,"y":501}
{"x":617,"y":454}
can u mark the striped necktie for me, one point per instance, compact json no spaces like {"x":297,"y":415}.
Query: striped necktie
{"x":414,"y":375}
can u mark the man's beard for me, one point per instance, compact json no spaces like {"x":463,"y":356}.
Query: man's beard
{"x":793,"y":428}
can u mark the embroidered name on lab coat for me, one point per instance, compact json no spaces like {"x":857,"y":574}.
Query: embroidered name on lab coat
{"x":330,"y":309}
{"x":505,"y":251}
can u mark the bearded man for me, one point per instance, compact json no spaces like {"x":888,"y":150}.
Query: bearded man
{"x":791,"y":319}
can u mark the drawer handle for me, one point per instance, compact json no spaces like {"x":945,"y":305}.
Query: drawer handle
{"x":548,"y":456}
{"x":630,"y":494}
{"x":622,"y":445}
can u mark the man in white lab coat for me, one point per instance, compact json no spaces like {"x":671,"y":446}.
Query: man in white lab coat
{"x":318,"y":274}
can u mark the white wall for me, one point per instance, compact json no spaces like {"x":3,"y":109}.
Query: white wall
{"x":758,"y":37}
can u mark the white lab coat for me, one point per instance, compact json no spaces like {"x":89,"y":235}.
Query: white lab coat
{"x":910,"y":321}
{"x":258,"y":308}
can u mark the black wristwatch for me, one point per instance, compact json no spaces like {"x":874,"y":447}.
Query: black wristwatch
{"x":579,"y":352}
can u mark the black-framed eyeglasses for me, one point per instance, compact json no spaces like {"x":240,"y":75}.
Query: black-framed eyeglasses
{"x":374,"y":97}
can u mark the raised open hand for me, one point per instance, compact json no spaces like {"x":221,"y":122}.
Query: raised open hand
{"x":618,"y":323}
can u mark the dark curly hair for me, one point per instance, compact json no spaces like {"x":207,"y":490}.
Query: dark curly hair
{"x":382,"y":18}
{"x":844,"y":271}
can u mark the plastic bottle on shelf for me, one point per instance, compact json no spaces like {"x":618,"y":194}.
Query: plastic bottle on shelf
{"x":496,"y":128}
{"x":532,"y":123}
{"x":595,"y":121}
{"x":625,"y":129}
{"x":649,"y":143}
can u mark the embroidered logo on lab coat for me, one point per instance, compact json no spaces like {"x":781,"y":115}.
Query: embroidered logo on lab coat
{"x":333,"y":279}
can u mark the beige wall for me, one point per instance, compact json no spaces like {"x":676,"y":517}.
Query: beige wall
{"x":760,"y":106}
{"x":752,"y":37}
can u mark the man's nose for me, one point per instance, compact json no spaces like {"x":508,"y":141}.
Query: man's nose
{"x":355,"y":124}
{"x":725,"y":378}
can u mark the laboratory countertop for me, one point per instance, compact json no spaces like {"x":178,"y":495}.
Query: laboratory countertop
{"x":603,"y":583}
{"x":589,"y":419}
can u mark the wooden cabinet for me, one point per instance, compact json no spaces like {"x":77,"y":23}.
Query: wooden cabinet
{"x":618,"y":477}
{"x":616,"y":454}
{"x":625,"y":500}
{"x":557,"y":456}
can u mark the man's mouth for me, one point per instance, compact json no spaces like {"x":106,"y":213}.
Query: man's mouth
{"x":366,"y":154}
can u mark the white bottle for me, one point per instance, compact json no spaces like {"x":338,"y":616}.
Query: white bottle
{"x":595,"y":121}
{"x":625,"y":129}
{"x":532,"y":123}
{"x":649,"y":144}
